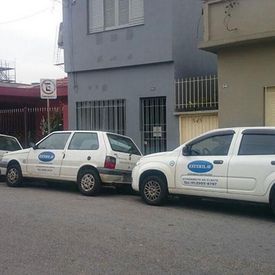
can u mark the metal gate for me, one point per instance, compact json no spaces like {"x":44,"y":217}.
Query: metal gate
{"x":30,"y":124}
{"x":193,"y":125}
{"x":153,"y":124}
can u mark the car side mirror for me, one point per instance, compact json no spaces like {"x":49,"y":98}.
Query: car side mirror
{"x":31,"y":144}
{"x":34,"y":147}
{"x":186,"y":151}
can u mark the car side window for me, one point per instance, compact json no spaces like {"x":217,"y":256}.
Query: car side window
{"x":9,"y":144}
{"x":56,"y":141}
{"x":84,"y":141}
{"x":257,"y":144}
{"x":217,"y":145}
{"x":122,"y":144}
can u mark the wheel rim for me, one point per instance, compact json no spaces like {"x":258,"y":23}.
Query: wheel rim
{"x":13,"y":175}
{"x":152,"y":190}
{"x":87,"y":182}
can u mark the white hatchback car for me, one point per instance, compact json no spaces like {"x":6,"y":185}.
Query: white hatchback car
{"x":8,"y":144}
{"x":90,"y":158}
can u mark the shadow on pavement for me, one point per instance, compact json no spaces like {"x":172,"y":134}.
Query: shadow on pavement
{"x":204,"y":205}
{"x":72,"y":188}
{"x":227,"y":207}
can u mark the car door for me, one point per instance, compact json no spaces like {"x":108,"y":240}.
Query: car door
{"x":252,"y":163}
{"x":84,"y":148}
{"x":124,"y":150}
{"x":45,"y":158}
{"x":203,"y":164}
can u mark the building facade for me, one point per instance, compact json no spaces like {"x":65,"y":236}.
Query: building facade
{"x":242,"y":34}
{"x":122,"y":57}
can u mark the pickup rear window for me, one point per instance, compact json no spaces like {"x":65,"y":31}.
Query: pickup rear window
{"x":257,"y":144}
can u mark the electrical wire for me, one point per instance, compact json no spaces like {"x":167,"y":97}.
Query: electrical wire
{"x":25,"y":17}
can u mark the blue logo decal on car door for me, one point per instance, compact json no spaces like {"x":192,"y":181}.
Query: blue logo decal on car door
{"x":200,"y":166}
{"x":46,"y":156}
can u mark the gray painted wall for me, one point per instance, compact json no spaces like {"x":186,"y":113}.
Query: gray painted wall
{"x":143,"y":44}
{"x":246,"y":54}
{"x":131,"y":61}
{"x":130,"y":83}
{"x":171,"y":31}
{"x":187,"y":33}
{"x":243,"y":73}
{"x":248,"y":20}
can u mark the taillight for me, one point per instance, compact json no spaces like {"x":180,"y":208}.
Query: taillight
{"x":110,"y":162}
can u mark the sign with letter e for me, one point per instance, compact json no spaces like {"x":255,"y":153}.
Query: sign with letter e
{"x":48,"y":89}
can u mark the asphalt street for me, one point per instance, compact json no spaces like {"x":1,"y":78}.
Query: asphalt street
{"x":55,"y":230}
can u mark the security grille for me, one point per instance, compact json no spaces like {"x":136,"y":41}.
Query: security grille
{"x":153,"y":124}
{"x":30,"y":124}
{"x":102,"y":115}
{"x":197,"y":94}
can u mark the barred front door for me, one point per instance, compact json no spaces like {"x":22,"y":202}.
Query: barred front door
{"x":153,"y":124}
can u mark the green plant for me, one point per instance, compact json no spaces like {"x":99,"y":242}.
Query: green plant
{"x":56,"y":123}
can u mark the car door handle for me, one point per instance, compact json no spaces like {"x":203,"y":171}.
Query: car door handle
{"x":218,"y":161}
{"x":273,"y":162}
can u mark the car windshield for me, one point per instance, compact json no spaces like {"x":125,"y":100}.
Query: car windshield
{"x":9,"y":144}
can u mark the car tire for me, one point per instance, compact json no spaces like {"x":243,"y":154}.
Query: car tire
{"x":14,"y":176}
{"x":154,"y":190}
{"x":272,"y":203}
{"x":89,"y":183}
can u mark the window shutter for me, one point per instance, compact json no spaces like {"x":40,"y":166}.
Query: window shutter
{"x":123,"y":12}
{"x":96,"y":17}
{"x":109,"y":13}
{"x":136,"y":12}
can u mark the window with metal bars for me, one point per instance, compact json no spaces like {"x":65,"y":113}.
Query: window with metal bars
{"x":102,"y":115}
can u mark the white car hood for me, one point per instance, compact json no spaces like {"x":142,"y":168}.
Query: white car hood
{"x":156,"y":155}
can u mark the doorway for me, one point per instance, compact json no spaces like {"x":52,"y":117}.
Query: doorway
{"x":153,"y":124}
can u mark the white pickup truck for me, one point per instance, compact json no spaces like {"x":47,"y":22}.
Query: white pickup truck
{"x":236,"y":163}
{"x":90,"y":158}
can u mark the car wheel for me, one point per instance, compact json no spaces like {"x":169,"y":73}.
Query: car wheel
{"x":88,"y":183}
{"x":14,"y":175}
{"x":154,"y":190}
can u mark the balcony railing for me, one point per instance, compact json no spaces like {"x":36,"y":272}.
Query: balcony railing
{"x":196,"y":94}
